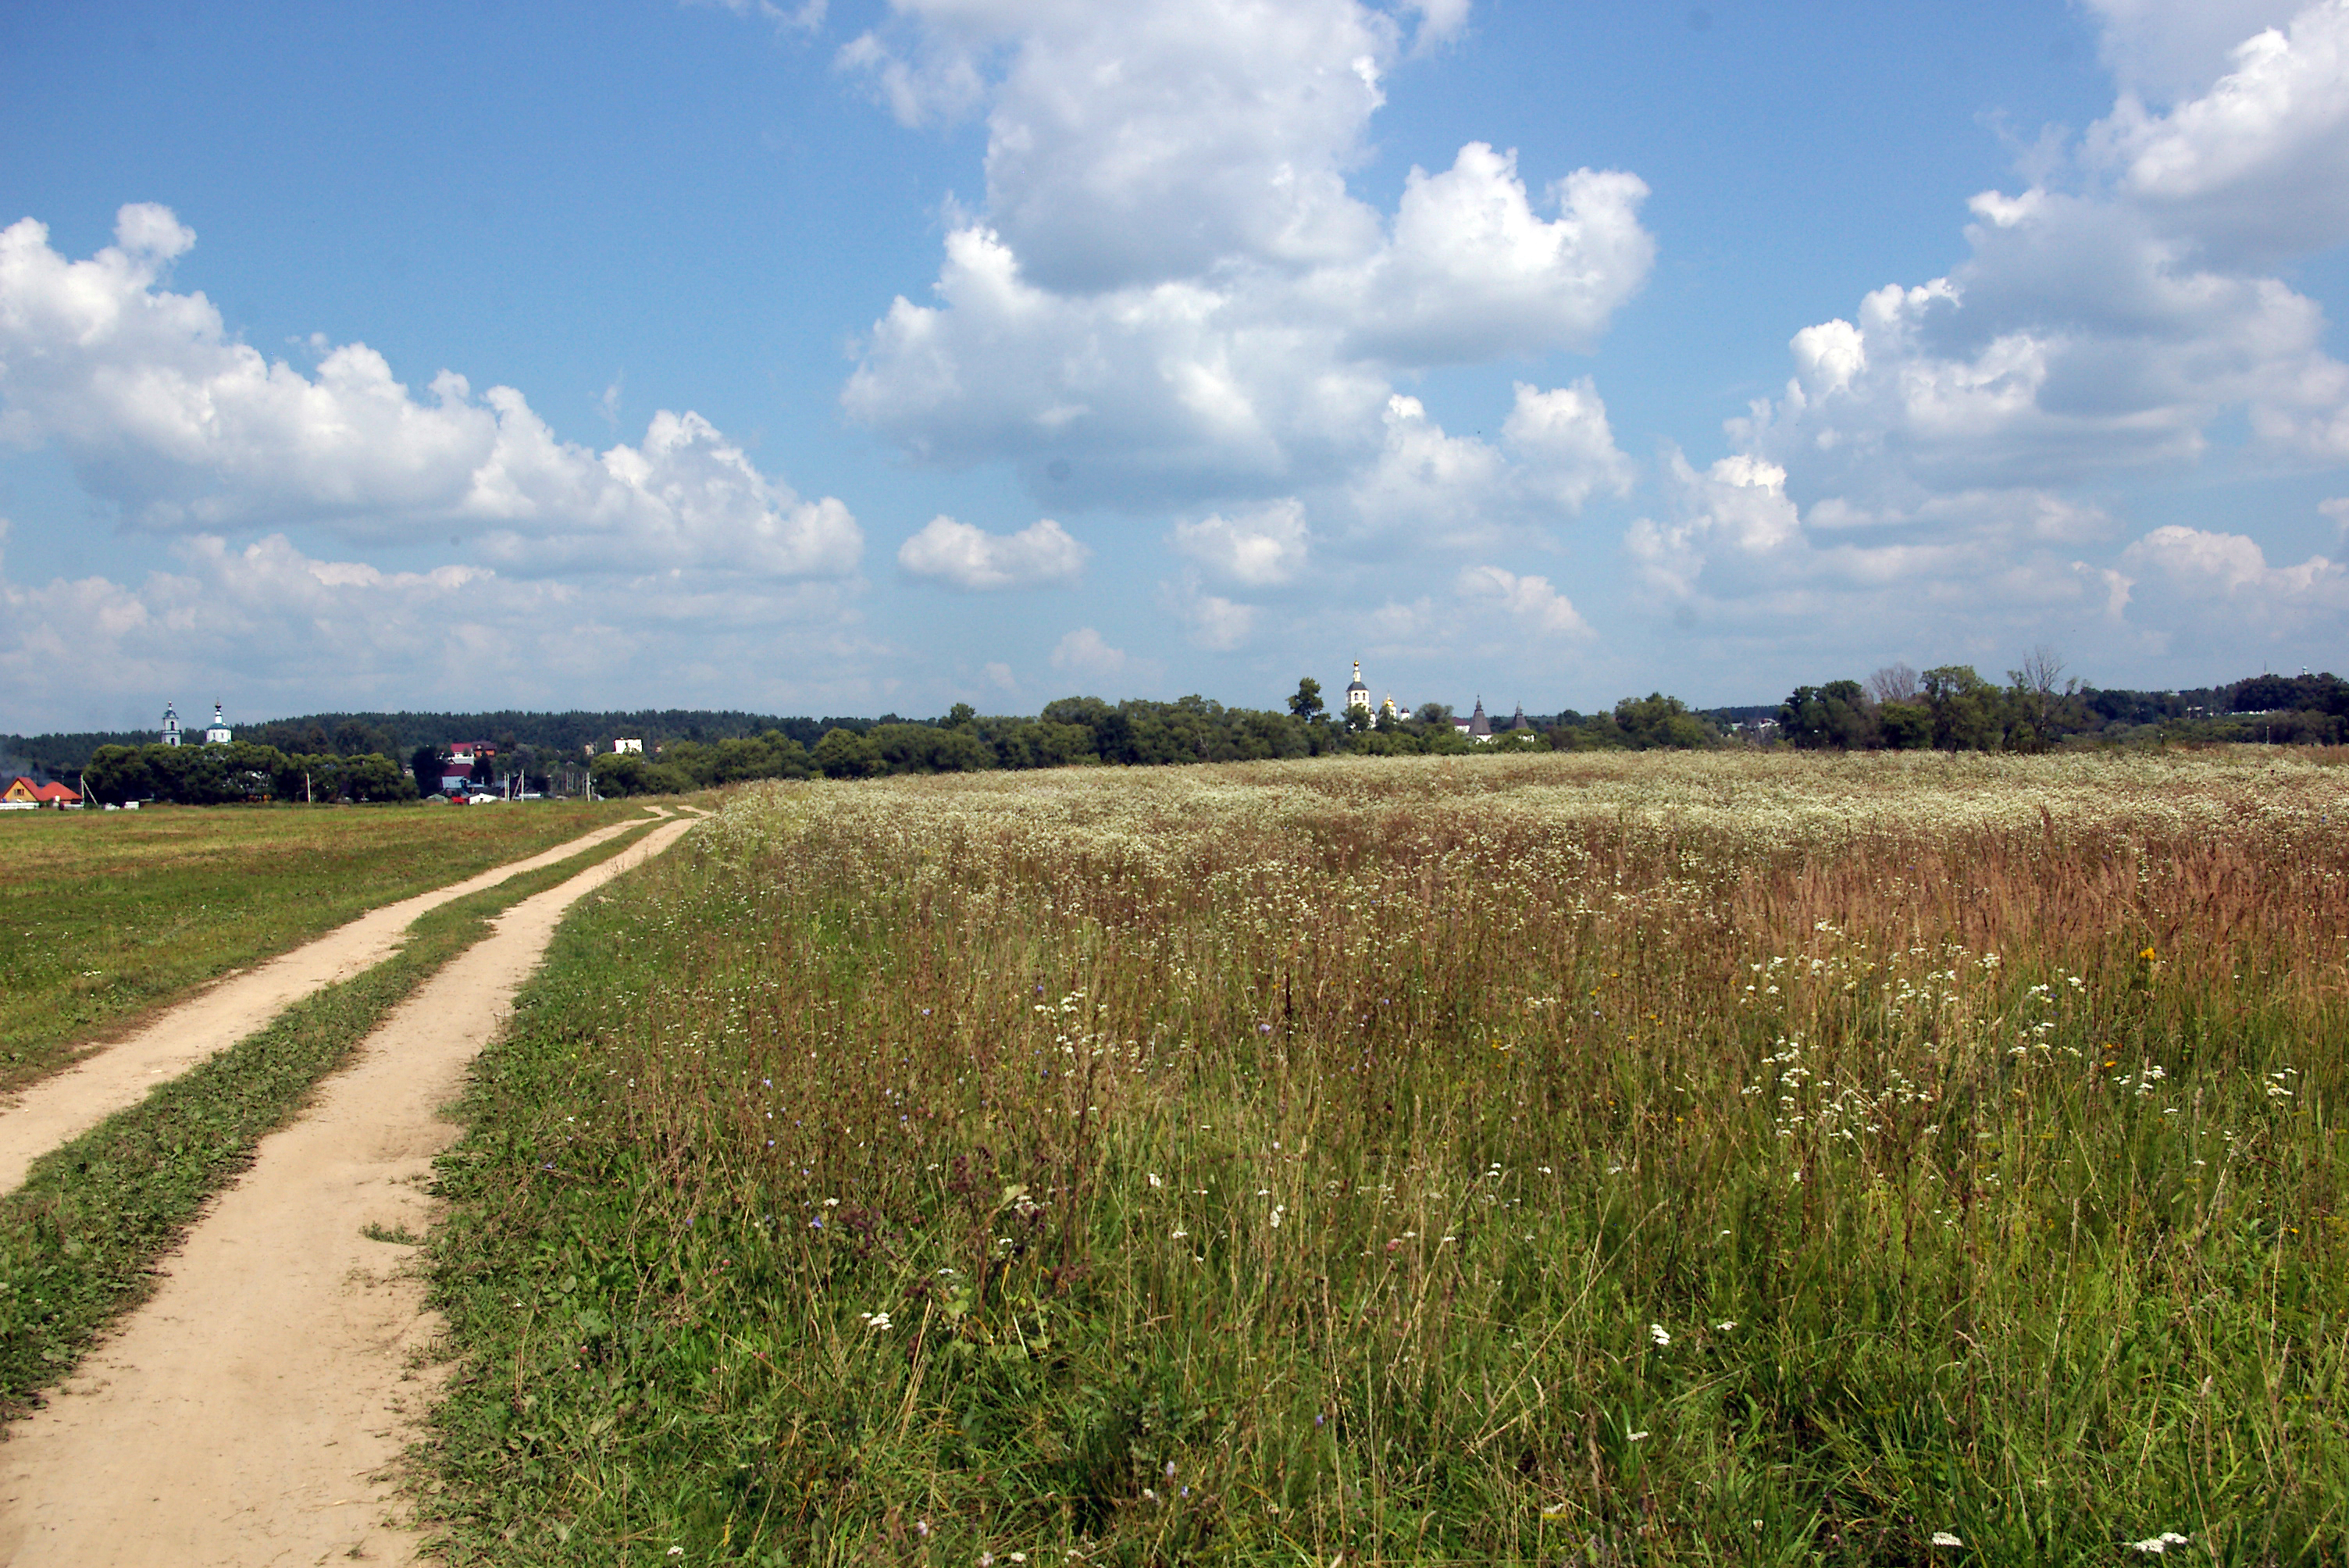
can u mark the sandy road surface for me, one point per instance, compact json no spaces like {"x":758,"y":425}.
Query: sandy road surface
{"x":244,"y":1415}
{"x":47,"y":1113}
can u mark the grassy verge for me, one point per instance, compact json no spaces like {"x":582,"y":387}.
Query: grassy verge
{"x":1768,"y":1160}
{"x":79,"y":1239}
{"x":108,"y":914}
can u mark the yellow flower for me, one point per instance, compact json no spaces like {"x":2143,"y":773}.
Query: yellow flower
{"x":2147,"y":955}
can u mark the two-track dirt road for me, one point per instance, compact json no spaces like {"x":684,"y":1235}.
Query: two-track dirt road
{"x":43,"y":1114}
{"x":246,"y":1414}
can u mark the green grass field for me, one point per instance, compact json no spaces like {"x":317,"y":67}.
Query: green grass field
{"x":1595,"y":1159}
{"x":103,"y":915}
{"x":80,"y":1238}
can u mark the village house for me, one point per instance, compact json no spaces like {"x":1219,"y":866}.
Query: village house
{"x":467,"y":769}
{"x":23,"y":795}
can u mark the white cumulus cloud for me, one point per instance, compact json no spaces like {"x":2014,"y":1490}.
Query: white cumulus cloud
{"x":281,"y":631}
{"x":1210,"y":621}
{"x":1474,"y":273}
{"x":2110,"y":328}
{"x":188,"y":431}
{"x":1946,"y":453}
{"x":1172,"y":295}
{"x":1083,"y":652}
{"x":962,"y":556}
{"x":1259,"y":546}
{"x":2162,"y":50}
{"x":1556,"y":450}
{"x":2257,"y":167}
{"x":2192,"y":589}
{"x":1530,"y":602}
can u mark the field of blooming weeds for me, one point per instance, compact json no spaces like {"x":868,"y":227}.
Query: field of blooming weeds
{"x":1582,"y":1158}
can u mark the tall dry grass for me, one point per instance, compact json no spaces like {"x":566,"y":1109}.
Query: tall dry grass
{"x":1719,"y":1159}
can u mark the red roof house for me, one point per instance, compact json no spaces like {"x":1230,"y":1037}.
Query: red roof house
{"x":22,"y":791}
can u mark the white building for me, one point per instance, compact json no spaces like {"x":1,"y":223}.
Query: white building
{"x":218,"y":735}
{"x":1358,"y":696}
{"x":170,"y":723}
{"x":635,"y":746}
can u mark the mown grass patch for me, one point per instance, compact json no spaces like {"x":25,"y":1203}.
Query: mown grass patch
{"x":79,"y":1239}
{"x":105,"y":914}
{"x":1769,"y":1161}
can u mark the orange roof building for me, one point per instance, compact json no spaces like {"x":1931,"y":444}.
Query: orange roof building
{"x":22,"y":791}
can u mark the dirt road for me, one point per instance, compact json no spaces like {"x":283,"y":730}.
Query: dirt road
{"x":244,"y":1414}
{"x":47,"y":1113}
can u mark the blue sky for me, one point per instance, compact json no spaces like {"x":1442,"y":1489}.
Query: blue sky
{"x":845,"y":358}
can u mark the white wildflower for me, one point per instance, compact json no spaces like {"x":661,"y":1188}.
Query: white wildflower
{"x":2158,"y":1545}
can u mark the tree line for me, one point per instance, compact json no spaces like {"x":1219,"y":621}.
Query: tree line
{"x":238,"y":771}
{"x":330,"y":757}
{"x":1951,"y":707}
{"x":1086,"y":731}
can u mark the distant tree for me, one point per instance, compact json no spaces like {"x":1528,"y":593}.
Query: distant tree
{"x":375,"y":777}
{"x":629,"y":773}
{"x":2264,"y":693}
{"x":1894,"y":683}
{"x":1089,"y":711}
{"x":119,"y":773}
{"x":253,"y":771}
{"x":1657,"y":722}
{"x":1836,"y":716}
{"x":308,"y":775}
{"x":426,"y":764}
{"x":2037,"y":697}
{"x":1307,"y":703}
{"x":922,"y":748}
{"x":842,"y":755}
{"x":773,"y":755}
{"x":1905,"y":725}
{"x":1039,"y":743}
{"x":1359,"y":720}
{"x":354,"y":738}
{"x":1966,"y":709}
{"x":961,"y":716}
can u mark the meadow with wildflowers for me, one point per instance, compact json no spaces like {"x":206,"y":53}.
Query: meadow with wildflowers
{"x":1719,"y":1158}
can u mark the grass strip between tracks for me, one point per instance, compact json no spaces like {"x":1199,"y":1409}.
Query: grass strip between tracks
{"x":78,"y":1241}
{"x":112,"y":918}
